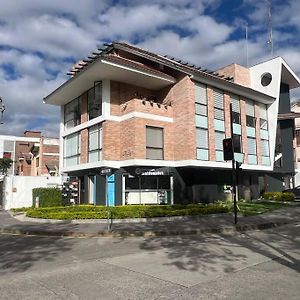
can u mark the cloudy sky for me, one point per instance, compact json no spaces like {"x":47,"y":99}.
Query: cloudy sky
{"x":40,"y":40}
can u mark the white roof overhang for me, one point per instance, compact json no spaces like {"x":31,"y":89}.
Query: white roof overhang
{"x":288,"y":76}
{"x":104,"y":69}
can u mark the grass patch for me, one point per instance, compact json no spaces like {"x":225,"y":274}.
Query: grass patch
{"x":254,"y":208}
{"x":21,"y":209}
{"x":123,"y":212}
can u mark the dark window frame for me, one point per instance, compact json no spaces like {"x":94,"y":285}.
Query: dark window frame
{"x":94,"y":104}
{"x":250,"y":121}
{"x":76,"y":111}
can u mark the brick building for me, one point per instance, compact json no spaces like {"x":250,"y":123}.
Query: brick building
{"x":33,"y":154}
{"x":137,"y":127}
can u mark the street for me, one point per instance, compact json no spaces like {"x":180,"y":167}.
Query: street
{"x":248,"y":265}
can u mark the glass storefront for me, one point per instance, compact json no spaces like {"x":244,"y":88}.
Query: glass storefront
{"x":148,"y":189}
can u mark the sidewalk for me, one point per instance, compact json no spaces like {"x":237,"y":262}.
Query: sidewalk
{"x":218,"y":223}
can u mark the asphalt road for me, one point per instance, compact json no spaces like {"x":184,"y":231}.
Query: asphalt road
{"x":249,"y":265}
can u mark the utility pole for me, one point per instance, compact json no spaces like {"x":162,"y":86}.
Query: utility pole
{"x":234,"y":195}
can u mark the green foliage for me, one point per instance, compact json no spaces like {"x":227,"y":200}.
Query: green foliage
{"x":5,"y":164}
{"x":279,"y":196}
{"x":21,"y":209}
{"x":47,"y":197}
{"x":123,"y":212}
{"x":254,"y":208}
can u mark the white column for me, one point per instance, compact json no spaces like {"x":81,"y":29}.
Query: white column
{"x":106,"y":98}
{"x":61,"y":140}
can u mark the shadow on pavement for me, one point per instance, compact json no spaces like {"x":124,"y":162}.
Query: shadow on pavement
{"x":19,"y":253}
{"x":209,"y":253}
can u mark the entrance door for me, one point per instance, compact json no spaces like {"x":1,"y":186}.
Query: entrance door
{"x":111,"y":190}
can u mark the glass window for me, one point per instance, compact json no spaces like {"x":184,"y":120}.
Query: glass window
{"x":200,"y":93}
{"x":95,"y":143}
{"x":251,"y":146}
{"x":72,"y":149}
{"x":154,"y":143}
{"x":72,"y":113}
{"x":265,"y":147}
{"x":202,"y":138}
{"x":148,"y":182}
{"x":250,"y":121}
{"x":219,"y":137}
{"x":236,"y":117}
{"x":263,"y":124}
{"x":298,"y":137}
{"x":201,"y":109}
{"x":95,"y":101}
{"x":132,"y":183}
{"x":237,"y":144}
{"x":218,"y":104}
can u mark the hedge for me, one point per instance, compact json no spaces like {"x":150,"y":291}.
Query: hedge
{"x":279,"y":196}
{"x":47,"y":197}
{"x":123,"y":212}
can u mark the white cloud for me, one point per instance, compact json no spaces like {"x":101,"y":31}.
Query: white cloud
{"x":41,"y":38}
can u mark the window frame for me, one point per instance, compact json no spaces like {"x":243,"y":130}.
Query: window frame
{"x":151,"y":147}
{"x":76,"y":118}
{"x":98,"y":129}
{"x":77,"y":154}
{"x":92,"y":103}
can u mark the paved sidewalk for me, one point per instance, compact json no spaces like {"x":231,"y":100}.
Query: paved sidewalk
{"x":154,"y":227}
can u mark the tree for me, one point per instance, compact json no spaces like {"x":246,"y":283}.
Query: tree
{"x":5,"y":164}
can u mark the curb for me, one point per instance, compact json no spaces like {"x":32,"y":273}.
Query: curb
{"x":146,"y":233}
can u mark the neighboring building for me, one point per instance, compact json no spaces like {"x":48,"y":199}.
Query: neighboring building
{"x":137,"y":127}
{"x":295,"y":108}
{"x":33,"y":154}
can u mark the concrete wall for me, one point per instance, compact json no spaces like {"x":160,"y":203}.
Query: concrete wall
{"x":18,"y":189}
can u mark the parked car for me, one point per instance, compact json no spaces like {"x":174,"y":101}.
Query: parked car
{"x":295,"y":191}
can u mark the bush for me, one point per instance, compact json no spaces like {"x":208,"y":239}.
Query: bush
{"x":279,"y":196}
{"x":47,"y":197}
{"x":123,"y":212}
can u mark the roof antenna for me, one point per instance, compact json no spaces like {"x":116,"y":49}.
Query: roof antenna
{"x":246,"y":37}
{"x":270,"y":41}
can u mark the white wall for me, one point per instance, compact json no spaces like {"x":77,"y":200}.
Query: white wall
{"x":18,"y":189}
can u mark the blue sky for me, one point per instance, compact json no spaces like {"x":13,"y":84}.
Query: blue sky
{"x":40,"y":40}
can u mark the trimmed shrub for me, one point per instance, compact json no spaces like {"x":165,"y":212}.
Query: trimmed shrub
{"x":123,"y":212}
{"x":288,"y":197}
{"x":279,"y":196}
{"x":47,"y":197}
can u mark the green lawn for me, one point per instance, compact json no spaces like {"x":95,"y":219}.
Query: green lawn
{"x":254,"y":208}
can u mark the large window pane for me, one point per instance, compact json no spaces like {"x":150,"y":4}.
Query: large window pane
{"x":237,"y":145}
{"x":251,"y":146}
{"x":95,"y":101}
{"x":202,"y":138}
{"x":200,"y":93}
{"x":250,"y":121}
{"x":219,"y":137}
{"x":72,"y":113}
{"x":153,"y":153}
{"x":154,"y":143}
{"x":72,"y":149}
{"x":95,"y":145}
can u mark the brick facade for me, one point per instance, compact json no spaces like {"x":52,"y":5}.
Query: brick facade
{"x":211,"y":125}
{"x":244,"y":130}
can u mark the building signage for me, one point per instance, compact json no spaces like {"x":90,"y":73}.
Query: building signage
{"x":106,"y":171}
{"x":152,"y":172}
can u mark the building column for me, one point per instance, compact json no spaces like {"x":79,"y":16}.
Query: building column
{"x":211,"y":126}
